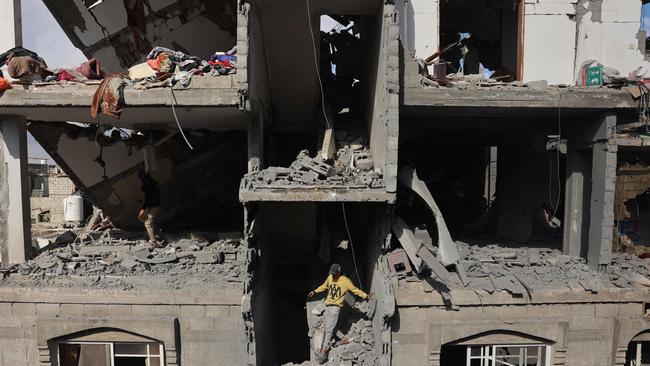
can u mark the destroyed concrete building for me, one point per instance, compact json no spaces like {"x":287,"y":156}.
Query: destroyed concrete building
{"x":481,"y":167}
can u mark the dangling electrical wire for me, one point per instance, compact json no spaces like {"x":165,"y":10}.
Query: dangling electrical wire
{"x":354,"y":258}
{"x":320,"y":82}
{"x":173,"y":96}
{"x":557,"y":150}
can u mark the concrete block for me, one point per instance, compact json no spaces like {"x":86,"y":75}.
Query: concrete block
{"x":24,"y":309}
{"x":630,"y":310}
{"x":5,"y":309}
{"x":219,"y":312}
{"x":192,"y":311}
{"x":120,"y":310}
{"x":96,"y":310}
{"x":583,"y":310}
{"x":71,"y":310}
{"x":47,"y":310}
{"x":606,"y":310}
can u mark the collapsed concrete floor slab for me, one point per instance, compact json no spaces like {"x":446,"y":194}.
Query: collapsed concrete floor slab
{"x":198,"y":186}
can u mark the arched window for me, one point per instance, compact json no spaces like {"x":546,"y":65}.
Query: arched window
{"x":108,"y":347}
{"x":638,"y":350}
{"x":497,"y":348}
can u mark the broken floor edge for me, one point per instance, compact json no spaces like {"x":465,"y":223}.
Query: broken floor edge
{"x":462,"y":297}
{"x":121,"y":296}
{"x":317,"y":195}
{"x":517,"y":98}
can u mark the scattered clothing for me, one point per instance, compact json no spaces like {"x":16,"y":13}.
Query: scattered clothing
{"x":17,"y":51}
{"x":4,"y":84}
{"x":137,"y":21}
{"x":65,"y":75}
{"x":91,"y":69}
{"x":108,"y":97}
{"x":141,"y":71}
{"x":20,"y":66}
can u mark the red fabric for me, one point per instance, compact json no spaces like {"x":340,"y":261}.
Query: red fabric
{"x":153,"y":64}
{"x":64,"y":76}
{"x":225,"y":64}
{"x":137,"y":21}
{"x":4,"y":84}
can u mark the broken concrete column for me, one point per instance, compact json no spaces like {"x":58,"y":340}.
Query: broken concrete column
{"x":603,"y":187}
{"x":15,"y":226}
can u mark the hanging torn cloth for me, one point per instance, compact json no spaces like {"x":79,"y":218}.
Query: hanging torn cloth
{"x":108,"y":98}
{"x":137,"y":21}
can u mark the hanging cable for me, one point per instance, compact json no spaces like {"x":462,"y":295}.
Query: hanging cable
{"x":559,"y":142}
{"x":354,"y":258}
{"x":176,"y":118}
{"x":320,"y":82}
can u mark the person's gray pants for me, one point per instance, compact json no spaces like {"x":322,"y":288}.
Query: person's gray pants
{"x":331,"y":318}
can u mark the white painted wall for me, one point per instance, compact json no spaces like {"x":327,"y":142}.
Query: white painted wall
{"x":549,"y":41}
{"x":11,"y":25}
{"x":419,"y":26}
{"x":549,"y":48}
{"x":611,"y":38}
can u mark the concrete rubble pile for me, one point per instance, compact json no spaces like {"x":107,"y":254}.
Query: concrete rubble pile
{"x":354,"y":338}
{"x":352,"y":167}
{"x":104,"y":257}
{"x":524,"y":271}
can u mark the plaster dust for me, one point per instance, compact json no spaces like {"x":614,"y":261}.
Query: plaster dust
{"x":522,"y":271}
{"x":116,"y":259}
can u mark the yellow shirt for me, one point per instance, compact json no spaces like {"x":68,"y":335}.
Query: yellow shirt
{"x":336,"y":290}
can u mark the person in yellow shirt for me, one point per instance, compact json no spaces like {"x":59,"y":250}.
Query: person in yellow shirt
{"x":336,"y":286}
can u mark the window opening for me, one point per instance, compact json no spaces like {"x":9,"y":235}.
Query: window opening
{"x":507,"y":355}
{"x":110,"y":354}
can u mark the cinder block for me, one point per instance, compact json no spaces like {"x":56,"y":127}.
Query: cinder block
{"x":120,"y":310}
{"x":47,"y":310}
{"x":630,"y":310}
{"x":5,"y":309}
{"x":24,"y":309}
{"x":192,"y":311}
{"x":71,"y":310}
{"x":606,"y":310}
{"x":95,"y":310}
{"x":219,"y":311}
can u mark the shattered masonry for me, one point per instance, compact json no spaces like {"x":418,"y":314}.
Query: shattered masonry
{"x":481,"y":167}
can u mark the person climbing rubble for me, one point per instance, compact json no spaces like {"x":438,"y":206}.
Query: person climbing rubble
{"x":150,"y":206}
{"x":336,"y":285}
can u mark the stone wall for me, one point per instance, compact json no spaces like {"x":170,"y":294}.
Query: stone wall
{"x":196,"y":330}
{"x":59,"y":188}
{"x":631,"y":181}
{"x":580,"y":334}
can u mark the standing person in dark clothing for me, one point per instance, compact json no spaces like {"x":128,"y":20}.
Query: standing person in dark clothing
{"x":151,"y":205}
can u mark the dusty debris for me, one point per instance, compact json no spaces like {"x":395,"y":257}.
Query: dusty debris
{"x":352,"y":167}
{"x":528,"y":270}
{"x":354,"y":339}
{"x":124,"y":260}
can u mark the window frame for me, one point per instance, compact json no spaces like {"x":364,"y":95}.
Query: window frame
{"x":488,"y":356}
{"x":111,"y":347}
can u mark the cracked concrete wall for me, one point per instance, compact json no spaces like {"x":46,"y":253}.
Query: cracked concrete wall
{"x":607,"y":32}
{"x":382,"y":115}
{"x":419,"y":23}
{"x":198,"y":187}
{"x":103,"y":32}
